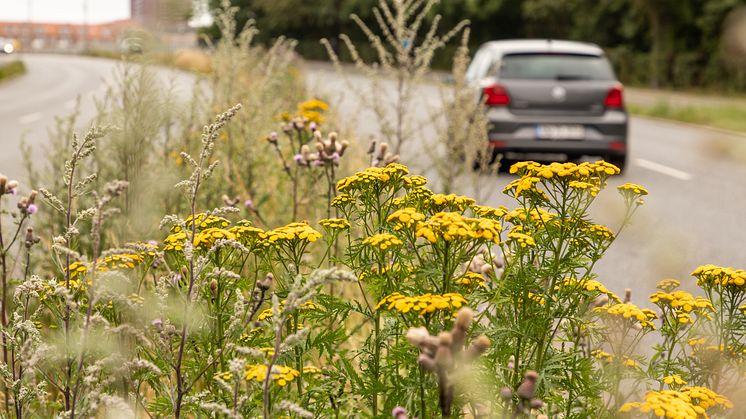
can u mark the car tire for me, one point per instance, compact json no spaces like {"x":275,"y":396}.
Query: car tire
{"x":619,"y":161}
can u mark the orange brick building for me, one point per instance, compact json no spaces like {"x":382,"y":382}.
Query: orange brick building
{"x":65,"y":36}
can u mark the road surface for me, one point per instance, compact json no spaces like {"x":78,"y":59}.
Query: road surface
{"x":695,"y":214}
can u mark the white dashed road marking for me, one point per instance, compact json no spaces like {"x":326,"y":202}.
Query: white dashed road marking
{"x":662,"y":169}
{"x":27,"y":119}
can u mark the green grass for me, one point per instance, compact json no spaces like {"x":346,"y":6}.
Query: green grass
{"x":732,"y":117}
{"x":12,"y":69}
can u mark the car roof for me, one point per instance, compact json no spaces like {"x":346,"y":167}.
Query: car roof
{"x":528,"y":46}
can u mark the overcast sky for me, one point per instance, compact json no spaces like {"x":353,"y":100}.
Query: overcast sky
{"x":69,"y":11}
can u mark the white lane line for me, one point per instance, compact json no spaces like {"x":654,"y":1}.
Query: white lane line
{"x":27,"y":119}
{"x":668,"y":171}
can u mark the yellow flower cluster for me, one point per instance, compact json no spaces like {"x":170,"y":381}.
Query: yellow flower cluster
{"x":372,"y":175}
{"x":668,"y":284}
{"x":421,"y":304}
{"x":599,"y":231}
{"x":489,"y":212}
{"x":109,"y":263}
{"x":311,"y":370}
{"x":682,"y":304}
{"x":247,"y":234}
{"x":281,"y":374}
{"x":335,"y":223}
{"x":523,"y":240}
{"x":267,"y":313}
{"x":382,"y":241}
{"x":674,"y":379}
{"x":203,"y":222}
{"x":629,"y":311}
{"x":536,"y":215}
{"x":451,"y":201}
{"x":633,"y":189}
{"x":312,"y":110}
{"x":341,"y":200}
{"x":471,"y":279}
{"x":590,"y":285}
{"x":451,"y":226}
{"x":405,"y":218}
{"x":564,"y":170}
{"x":584,"y":186}
{"x":175,"y":241}
{"x":293,"y":232}
{"x":206,"y":238}
{"x":706,"y":398}
{"x":716,"y":276}
{"x":415,"y":181}
{"x":523,"y":184}
{"x":607,"y":357}
{"x":666,"y":403}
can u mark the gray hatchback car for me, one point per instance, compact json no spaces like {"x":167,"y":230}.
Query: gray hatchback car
{"x":551,"y":98}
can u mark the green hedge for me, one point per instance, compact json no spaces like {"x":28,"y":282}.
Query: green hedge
{"x":11,"y":69}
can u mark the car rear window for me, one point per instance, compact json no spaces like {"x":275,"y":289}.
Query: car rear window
{"x":555,"y":67}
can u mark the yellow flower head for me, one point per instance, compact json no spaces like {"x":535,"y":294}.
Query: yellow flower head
{"x":490,"y":212}
{"x":666,"y":403}
{"x":599,"y":232}
{"x":629,"y":312}
{"x":247,"y":234}
{"x":382,"y":241}
{"x":452,"y":226}
{"x":668,"y":284}
{"x":584,"y":186}
{"x":293,"y":232}
{"x":681,"y":303}
{"x":451,"y":202}
{"x":632,"y":189}
{"x":341,"y":200}
{"x":520,"y":239}
{"x":281,"y":375}
{"x":674,"y":379}
{"x":421,"y":304}
{"x":203,"y":222}
{"x":405,"y":218}
{"x":335,"y":223}
{"x":536,"y":215}
{"x":711,"y":276}
{"x":207,"y":237}
{"x":373,"y":177}
{"x":471,"y":280}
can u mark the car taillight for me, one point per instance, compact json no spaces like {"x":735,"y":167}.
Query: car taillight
{"x":615,"y":98}
{"x":496,"y":95}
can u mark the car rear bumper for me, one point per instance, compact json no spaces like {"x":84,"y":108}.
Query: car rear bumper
{"x":605,"y":134}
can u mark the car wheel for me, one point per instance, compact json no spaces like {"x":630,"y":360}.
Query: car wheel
{"x":618,"y":161}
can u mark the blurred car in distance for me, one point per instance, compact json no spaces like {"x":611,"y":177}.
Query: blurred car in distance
{"x":7,"y":46}
{"x":550,"y":100}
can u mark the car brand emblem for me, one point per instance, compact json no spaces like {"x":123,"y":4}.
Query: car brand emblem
{"x":559,"y":93}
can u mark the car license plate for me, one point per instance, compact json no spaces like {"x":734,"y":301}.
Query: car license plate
{"x":560,"y":132}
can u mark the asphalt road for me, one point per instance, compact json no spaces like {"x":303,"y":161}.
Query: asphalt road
{"x":695,"y":214}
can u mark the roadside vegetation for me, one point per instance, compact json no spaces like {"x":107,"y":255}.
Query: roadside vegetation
{"x":11,"y":69}
{"x":238,"y":255}
{"x":726,"y":116}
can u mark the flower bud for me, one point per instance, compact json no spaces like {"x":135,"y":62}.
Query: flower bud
{"x":31,"y":196}
{"x":266,"y":283}
{"x":464,"y":317}
{"x":536,"y":404}
{"x":272,"y":139}
{"x":426,"y":362}
{"x":527,"y":389}
{"x":399,"y":413}
{"x":506,"y":393}
{"x":417,"y":335}
{"x":214,"y":287}
{"x":627,"y":295}
{"x":371,"y":147}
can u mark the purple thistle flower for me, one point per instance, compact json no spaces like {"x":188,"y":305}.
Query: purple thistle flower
{"x":335,"y":157}
{"x":153,"y":242}
{"x":312,"y":126}
{"x":298,"y":158}
{"x":248,"y":204}
{"x":32,"y":209}
{"x":13,"y":191}
{"x":273,"y":136}
{"x":318,"y":163}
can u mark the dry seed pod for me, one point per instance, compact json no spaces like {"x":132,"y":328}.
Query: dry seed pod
{"x":527,"y":389}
